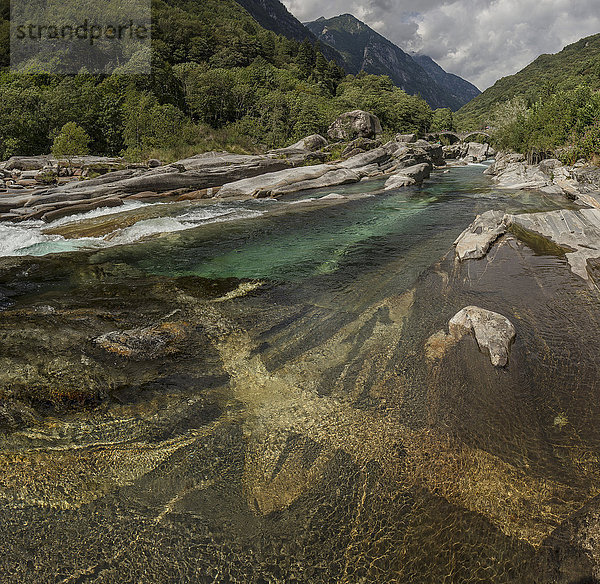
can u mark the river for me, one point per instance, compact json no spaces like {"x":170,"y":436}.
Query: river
{"x":247,"y":392}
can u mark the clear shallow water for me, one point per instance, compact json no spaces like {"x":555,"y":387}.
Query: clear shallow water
{"x":298,"y":241}
{"x":293,"y":428}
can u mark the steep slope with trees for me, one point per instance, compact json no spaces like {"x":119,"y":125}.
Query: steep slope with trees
{"x":274,"y":16}
{"x":577,"y":64}
{"x":550,"y":107}
{"x":219,"y":81}
{"x":460,"y":89}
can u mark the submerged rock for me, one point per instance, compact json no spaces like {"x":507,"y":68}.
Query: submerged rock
{"x":144,"y":343}
{"x":492,"y":331}
{"x":578,"y":232}
{"x":572,"y":552}
{"x":475,"y":241}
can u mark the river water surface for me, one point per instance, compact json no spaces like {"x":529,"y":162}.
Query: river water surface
{"x":249,"y":392}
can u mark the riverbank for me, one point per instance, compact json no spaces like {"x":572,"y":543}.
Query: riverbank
{"x":579,"y":182}
{"x":90,"y":183}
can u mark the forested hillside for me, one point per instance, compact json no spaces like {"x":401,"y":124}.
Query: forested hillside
{"x":552,"y":105}
{"x":219,"y":80}
{"x":576,"y":64}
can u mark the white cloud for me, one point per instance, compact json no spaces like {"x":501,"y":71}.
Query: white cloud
{"x":477,"y":39}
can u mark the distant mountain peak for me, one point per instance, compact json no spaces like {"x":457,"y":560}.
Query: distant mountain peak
{"x":274,"y":16}
{"x":364,"y":49}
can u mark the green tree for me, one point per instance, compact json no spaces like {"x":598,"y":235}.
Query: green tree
{"x":149,"y":124}
{"x":306,"y":58}
{"x":72,"y":141}
{"x":443,"y":120}
{"x":508,"y":122}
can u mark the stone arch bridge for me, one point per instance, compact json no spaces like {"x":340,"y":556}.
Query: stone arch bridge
{"x":455,"y":137}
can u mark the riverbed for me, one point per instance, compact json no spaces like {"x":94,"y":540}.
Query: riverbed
{"x":247,"y":392}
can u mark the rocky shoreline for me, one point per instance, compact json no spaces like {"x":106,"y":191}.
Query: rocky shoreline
{"x":576,"y":233}
{"x":405,"y":160}
{"x":580,"y":181}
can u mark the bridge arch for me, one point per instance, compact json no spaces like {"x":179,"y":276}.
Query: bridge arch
{"x":465,"y":137}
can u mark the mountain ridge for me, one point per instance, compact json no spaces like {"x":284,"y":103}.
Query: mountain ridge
{"x":461,"y":88}
{"x":274,"y":16}
{"x":364,"y":49}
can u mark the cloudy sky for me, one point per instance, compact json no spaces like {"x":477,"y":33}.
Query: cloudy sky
{"x":480,"y":40}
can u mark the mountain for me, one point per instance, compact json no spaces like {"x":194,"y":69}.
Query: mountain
{"x":274,"y":16}
{"x":459,"y":88}
{"x":363,"y":49}
{"x":575,"y":65}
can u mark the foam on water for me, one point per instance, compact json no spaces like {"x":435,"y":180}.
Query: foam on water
{"x":101,"y":212}
{"x":27,"y":238}
{"x":17,"y":237}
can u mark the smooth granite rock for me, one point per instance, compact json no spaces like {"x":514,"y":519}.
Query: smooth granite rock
{"x":355,"y":124}
{"x":492,"y":331}
{"x":576,"y":231}
{"x":409,"y":176}
{"x":475,"y":241}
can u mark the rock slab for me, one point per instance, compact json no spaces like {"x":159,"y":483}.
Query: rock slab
{"x":475,"y":241}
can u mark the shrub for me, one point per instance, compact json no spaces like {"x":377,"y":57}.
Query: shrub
{"x":72,"y":141}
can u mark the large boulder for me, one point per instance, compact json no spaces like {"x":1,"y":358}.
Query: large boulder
{"x":311,"y":143}
{"x":355,"y":124}
{"x":492,"y":331}
{"x":406,"y":138}
{"x":477,"y":152}
{"x":453,"y":151}
{"x":27,"y":162}
{"x":288,"y":181}
{"x":409,"y":176}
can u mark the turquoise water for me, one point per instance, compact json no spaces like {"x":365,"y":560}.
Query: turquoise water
{"x":295,"y":241}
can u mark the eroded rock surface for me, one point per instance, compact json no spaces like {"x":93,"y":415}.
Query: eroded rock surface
{"x":409,"y":176}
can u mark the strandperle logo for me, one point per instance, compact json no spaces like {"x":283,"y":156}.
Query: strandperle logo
{"x":80,"y":36}
{"x":84,"y":31}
